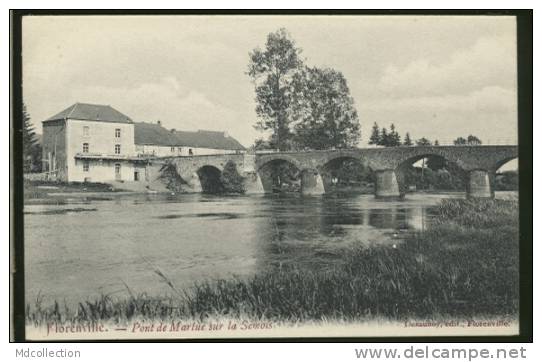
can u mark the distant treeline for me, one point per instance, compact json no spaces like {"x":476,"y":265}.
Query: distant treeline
{"x":391,"y":138}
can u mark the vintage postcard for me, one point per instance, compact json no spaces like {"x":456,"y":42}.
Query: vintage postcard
{"x":254,"y":176}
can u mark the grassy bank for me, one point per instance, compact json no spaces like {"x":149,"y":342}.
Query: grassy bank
{"x":465,"y":265}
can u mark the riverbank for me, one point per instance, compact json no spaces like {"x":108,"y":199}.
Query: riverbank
{"x":43,"y":189}
{"x":464,"y":266}
{"x":55,"y":192}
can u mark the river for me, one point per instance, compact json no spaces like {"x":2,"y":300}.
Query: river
{"x":83,"y":248}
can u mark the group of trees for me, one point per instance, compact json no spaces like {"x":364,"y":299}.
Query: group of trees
{"x":31,"y":145}
{"x":391,"y":138}
{"x":470,"y":140}
{"x":385,"y":138}
{"x":304,"y":107}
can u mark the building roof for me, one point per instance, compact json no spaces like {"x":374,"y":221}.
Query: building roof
{"x":155,"y":134}
{"x":91,"y":112}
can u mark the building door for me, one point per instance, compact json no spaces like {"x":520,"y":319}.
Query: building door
{"x":118,"y":176}
{"x":136,"y":175}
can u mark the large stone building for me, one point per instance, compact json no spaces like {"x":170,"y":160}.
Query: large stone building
{"x":96,"y":143}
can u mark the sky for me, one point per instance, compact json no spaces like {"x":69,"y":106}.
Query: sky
{"x":438,"y":77}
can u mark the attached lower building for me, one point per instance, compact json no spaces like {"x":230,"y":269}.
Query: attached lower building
{"x":97,"y":143}
{"x":154,"y":140}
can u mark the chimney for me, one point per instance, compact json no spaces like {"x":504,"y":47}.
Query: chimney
{"x":172,"y":130}
{"x":159,"y":122}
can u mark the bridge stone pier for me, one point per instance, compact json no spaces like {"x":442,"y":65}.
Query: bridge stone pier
{"x":386,"y":184}
{"x":479,"y":164}
{"x":312,"y":183}
{"x":479,"y":185}
{"x":253,"y":183}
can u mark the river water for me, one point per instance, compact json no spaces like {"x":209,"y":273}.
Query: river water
{"x":83,"y":248}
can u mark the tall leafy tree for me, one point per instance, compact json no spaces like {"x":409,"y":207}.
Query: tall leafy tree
{"x":323,"y":110}
{"x":375,"y":135}
{"x":272,"y":70}
{"x":31,"y":148}
{"x":408,"y":140}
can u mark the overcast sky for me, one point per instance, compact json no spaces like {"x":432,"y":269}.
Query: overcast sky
{"x":438,"y":77}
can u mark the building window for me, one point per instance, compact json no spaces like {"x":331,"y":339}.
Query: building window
{"x":85,"y":147}
{"x":117,"y":149}
{"x":117,"y":132}
{"x":180,"y":149}
{"x":86,"y":166}
{"x":86,"y":131}
{"x":172,"y":149}
{"x":190,"y":152}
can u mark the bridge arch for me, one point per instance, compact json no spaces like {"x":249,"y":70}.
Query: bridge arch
{"x":288,"y":174}
{"x":506,"y":177}
{"x":502,"y":162}
{"x":343,"y":153}
{"x":347,"y":173}
{"x":264,"y":160}
{"x":210,"y":179}
{"x":438,"y":171}
{"x":415,"y":154}
{"x":279,"y":174}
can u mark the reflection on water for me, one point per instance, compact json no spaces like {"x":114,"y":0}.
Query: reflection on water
{"x":82,"y":248}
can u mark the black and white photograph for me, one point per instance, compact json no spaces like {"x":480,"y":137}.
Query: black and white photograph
{"x":211,"y":176}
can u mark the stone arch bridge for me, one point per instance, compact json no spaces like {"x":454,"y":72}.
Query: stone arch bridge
{"x":479,"y":164}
